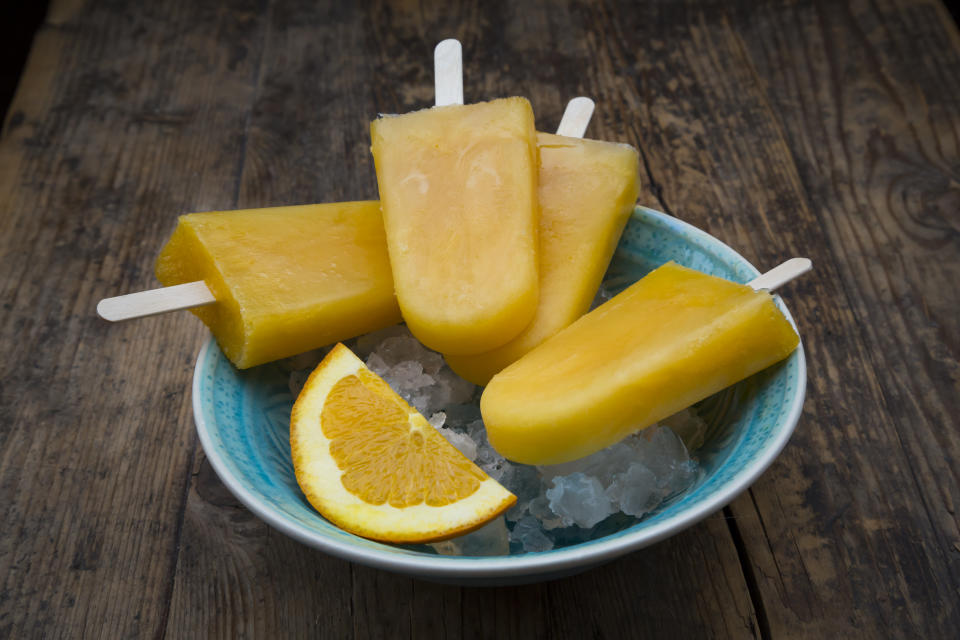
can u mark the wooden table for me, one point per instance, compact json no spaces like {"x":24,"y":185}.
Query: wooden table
{"x":826,"y":129}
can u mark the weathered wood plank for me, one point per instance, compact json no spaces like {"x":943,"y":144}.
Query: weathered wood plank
{"x":124,"y":118}
{"x":819,"y":128}
{"x":236,"y":577}
{"x":802,"y":128}
{"x":680,"y":585}
{"x":872,"y":102}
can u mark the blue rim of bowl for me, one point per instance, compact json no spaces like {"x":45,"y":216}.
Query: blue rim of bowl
{"x":566,"y":559}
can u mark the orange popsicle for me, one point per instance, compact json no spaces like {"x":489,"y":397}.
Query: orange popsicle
{"x":285,"y":279}
{"x":458,"y":188}
{"x":671,"y":339}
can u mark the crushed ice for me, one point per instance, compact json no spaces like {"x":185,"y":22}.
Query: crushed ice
{"x":556,"y":505}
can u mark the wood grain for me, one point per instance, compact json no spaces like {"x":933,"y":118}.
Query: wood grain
{"x":123,"y":120}
{"x":795,"y":127}
{"x":871,"y":100}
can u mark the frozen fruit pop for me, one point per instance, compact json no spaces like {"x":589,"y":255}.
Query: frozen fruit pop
{"x":587,"y":190}
{"x":671,"y":339}
{"x":284,"y":280}
{"x":458,"y":190}
{"x":196,"y":294}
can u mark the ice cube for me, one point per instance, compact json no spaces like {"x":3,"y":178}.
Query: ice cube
{"x":579,"y":499}
{"x":404,"y":374}
{"x":662,"y":452}
{"x":540,"y":509}
{"x":518,"y":511}
{"x":477,"y":431}
{"x":524,"y":482}
{"x":438,"y":395}
{"x":492,"y":539}
{"x":461,"y":441}
{"x":411,"y":384}
{"x":689,"y":427}
{"x":437,"y":419}
{"x":603,"y":464}
{"x":530,"y":535}
{"x":495,"y":468}
{"x":369,"y":342}
{"x":684,"y":475}
{"x":431,"y":361}
{"x":376,"y":364}
{"x":635,"y":491}
{"x":459,"y":416}
{"x":397,"y":349}
{"x":455,"y":390}
{"x":487,"y":457}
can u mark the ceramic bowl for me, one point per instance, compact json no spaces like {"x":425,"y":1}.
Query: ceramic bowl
{"x":243,"y":419}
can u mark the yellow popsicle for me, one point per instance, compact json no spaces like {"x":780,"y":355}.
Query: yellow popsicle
{"x":286,"y":279}
{"x":458,"y":188}
{"x":669,"y":340}
{"x":587,"y":190}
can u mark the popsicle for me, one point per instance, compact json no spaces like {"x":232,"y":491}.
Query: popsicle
{"x":669,"y":340}
{"x":377,"y":306}
{"x":458,"y":190}
{"x":284,"y":280}
{"x":587,"y":190}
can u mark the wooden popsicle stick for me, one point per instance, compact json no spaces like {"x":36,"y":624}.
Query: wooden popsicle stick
{"x":448,"y":72}
{"x":155,"y":301}
{"x":576,"y":117}
{"x":781,"y":274}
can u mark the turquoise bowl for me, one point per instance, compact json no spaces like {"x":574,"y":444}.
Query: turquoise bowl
{"x":243,"y":420}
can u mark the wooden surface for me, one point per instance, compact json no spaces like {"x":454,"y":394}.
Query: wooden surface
{"x":827,"y":129}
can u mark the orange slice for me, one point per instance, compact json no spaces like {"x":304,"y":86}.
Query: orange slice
{"x":373,"y":466}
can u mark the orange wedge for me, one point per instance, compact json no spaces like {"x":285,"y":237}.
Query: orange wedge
{"x":373,"y":466}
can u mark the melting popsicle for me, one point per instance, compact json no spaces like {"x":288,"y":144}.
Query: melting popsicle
{"x":587,"y":190}
{"x":669,"y":340}
{"x":458,"y":190}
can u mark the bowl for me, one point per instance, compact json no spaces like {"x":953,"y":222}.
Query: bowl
{"x":243,"y":418}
